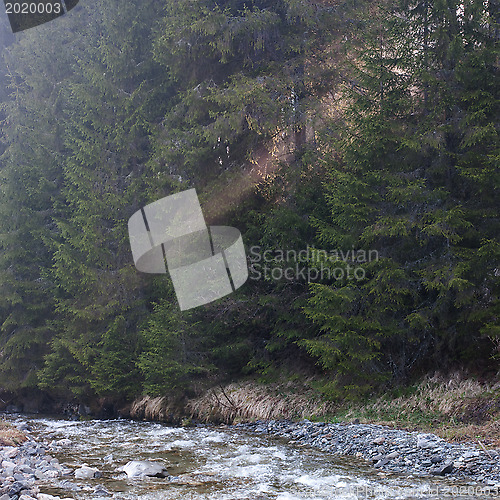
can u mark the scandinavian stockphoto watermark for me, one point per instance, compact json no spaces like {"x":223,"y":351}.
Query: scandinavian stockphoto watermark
{"x":205,"y":263}
{"x":25,"y":14}
{"x":309,"y":264}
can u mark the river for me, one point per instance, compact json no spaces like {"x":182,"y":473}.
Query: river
{"x":221,"y":463}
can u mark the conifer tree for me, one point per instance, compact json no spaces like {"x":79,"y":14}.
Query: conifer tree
{"x":31,"y":178}
{"x":405,"y":186}
{"x":110,"y":107}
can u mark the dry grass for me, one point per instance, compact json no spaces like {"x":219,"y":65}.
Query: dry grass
{"x":10,"y":436}
{"x":252,"y":401}
{"x":455,"y":408}
{"x":160,"y":409}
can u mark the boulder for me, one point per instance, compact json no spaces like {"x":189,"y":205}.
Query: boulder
{"x":138,"y":469}
{"x":86,"y":472}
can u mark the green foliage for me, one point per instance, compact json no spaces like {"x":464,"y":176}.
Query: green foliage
{"x":171,"y":350}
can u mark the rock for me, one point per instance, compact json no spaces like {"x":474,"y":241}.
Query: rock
{"x":86,"y":472}
{"x":102,"y":492}
{"x":52,"y":474}
{"x":68,"y":485}
{"x":137,"y":469}
{"x":26,"y":497}
{"x":426,"y":441}
{"x":443,"y":469}
{"x":40,"y":475}
{"x":9,"y":453}
{"x":379,"y":440}
{"x":8,"y":465}
{"x":64,"y":442}
{"x":26,"y":469}
{"x":5,"y":497}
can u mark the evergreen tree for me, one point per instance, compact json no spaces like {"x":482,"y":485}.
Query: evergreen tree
{"x":110,"y":109}
{"x":405,"y":187}
{"x":31,"y":178}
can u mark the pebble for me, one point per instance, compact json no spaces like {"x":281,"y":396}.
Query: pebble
{"x":21,"y":467}
{"x":391,"y":450}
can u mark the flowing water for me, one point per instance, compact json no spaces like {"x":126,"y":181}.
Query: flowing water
{"x":222,"y":463}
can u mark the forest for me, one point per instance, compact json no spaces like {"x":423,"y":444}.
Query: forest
{"x":354,"y":144}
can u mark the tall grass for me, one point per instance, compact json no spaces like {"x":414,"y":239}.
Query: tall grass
{"x":251,"y":401}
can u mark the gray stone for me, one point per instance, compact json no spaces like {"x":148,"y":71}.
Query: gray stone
{"x":102,"y":492}
{"x":40,"y":475}
{"x":426,"y":441}
{"x":8,"y":465}
{"x":64,"y":442}
{"x":15,"y":488}
{"x":443,"y":469}
{"x":68,"y":485}
{"x":86,"y":472}
{"x":138,"y":469}
{"x":26,"y":469}
{"x":10,"y":452}
{"x":382,"y":462}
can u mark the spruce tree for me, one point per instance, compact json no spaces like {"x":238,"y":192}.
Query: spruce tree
{"x":405,"y":186}
{"x":117,"y":94}
{"x":31,"y":179}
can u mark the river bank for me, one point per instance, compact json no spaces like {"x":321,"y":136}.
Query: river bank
{"x":456,"y":408}
{"x":25,"y":464}
{"x":392,"y":450}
